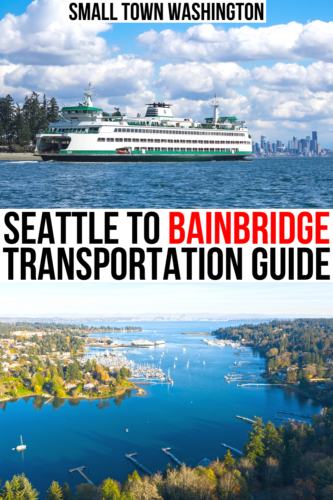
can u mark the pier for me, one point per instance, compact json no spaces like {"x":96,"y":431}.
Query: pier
{"x":137,"y":464}
{"x":234,"y":450}
{"x":303,"y":415}
{"x":80,"y":471}
{"x":271,"y":385}
{"x":175,"y":459}
{"x":246,"y":419}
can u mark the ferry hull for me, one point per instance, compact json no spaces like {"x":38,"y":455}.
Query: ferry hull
{"x":115,"y":158}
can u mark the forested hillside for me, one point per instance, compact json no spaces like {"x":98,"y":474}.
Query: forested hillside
{"x":20,"y":124}
{"x":298,"y":352}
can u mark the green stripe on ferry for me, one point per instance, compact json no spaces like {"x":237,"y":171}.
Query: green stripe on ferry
{"x":194,"y":153}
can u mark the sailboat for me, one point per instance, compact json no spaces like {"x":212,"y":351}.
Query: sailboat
{"x":21,"y":446}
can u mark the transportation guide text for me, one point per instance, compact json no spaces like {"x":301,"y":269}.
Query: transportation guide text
{"x":166,"y":245}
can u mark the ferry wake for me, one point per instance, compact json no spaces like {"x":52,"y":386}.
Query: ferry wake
{"x":85,"y":133}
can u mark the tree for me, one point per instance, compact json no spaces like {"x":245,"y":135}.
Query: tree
{"x":66,"y":492}
{"x":54,"y":492}
{"x":19,"y":488}
{"x":229,"y":460}
{"x":290,"y":461}
{"x":20,"y":127}
{"x":272,"y":441}
{"x":7,"y":114}
{"x":254,"y":448}
{"x":73,"y":371}
{"x":110,"y":491}
{"x":85,"y":491}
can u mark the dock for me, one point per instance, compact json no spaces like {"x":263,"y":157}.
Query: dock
{"x":175,"y":459}
{"x":80,"y":471}
{"x":234,"y":450}
{"x":246,"y":419}
{"x":303,"y":415}
{"x":137,"y":464}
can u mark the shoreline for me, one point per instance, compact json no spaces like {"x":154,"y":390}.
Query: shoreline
{"x":139,"y":392}
{"x":19,"y":157}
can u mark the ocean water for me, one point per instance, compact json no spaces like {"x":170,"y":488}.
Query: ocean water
{"x":258,"y":183}
{"x":193,"y":417}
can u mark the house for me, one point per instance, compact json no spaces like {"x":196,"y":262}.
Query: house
{"x":87,"y":387}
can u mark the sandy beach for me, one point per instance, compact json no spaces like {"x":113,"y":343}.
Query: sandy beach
{"x":19,"y":157}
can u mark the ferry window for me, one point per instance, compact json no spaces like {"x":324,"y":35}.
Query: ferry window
{"x":150,"y":149}
{"x":164,"y":140}
{"x":170,"y":140}
{"x":188,"y":149}
{"x":150,"y":140}
{"x":206,"y":142}
{"x":109,"y":139}
{"x":176,"y":141}
{"x":84,"y":111}
{"x":154,"y":131}
{"x":200,"y":149}
{"x":188,"y":141}
{"x":127,"y":140}
{"x":157,"y":149}
{"x":137,"y":149}
{"x":191,"y":133}
{"x":170,"y":149}
{"x":143,"y":140}
{"x":119,"y":140}
{"x":182,"y":141}
{"x":176,"y":149}
{"x":101,"y":139}
{"x":195,"y":149}
{"x":200,"y":142}
{"x":157,"y":140}
{"x":182,"y":149}
{"x":206,"y":149}
{"x":136,"y":130}
{"x":194,"y":142}
{"x":140,"y":130}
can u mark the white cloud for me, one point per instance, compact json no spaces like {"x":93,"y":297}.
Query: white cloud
{"x":315,"y":77}
{"x":45,"y":35}
{"x":292,"y":41}
{"x":115,"y":77}
{"x":200,"y":80}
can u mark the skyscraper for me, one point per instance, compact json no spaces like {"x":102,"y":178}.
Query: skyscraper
{"x":314,"y":136}
{"x":263,"y":141}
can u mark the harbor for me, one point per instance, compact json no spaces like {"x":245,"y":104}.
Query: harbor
{"x":192,"y":417}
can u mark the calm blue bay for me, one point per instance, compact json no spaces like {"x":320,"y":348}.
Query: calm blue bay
{"x":259,"y":183}
{"x":192,"y":417}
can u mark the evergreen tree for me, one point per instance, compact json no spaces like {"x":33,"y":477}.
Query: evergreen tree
{"x":229,"y":460}
{"x":54,"y":492}
{"x":52,"y":110}
{"x":66,"y":492}
{"x":7,"y":115}
{"x":20,"y":128}
{"x":254,"y":448}
{"x":290,"y":462}
{"x":19,"y":488}
{"x":272,"y":441}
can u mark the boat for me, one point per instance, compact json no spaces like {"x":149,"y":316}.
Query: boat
{"x":184,"y":349}
{"x":21,"y":446}
{"x":85,"y":133}
{"x":203,"y":363}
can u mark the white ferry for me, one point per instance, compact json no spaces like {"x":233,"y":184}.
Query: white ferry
{"x":86,"y":133}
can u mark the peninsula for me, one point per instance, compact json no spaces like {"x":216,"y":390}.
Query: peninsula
{"x":46,"y":359}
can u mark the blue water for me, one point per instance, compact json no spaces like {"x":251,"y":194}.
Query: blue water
{"x":260,"y":183}
{"x":192,"y":417}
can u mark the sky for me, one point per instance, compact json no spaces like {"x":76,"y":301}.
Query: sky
{"x":277,"y":76}
{"x":61,"y":299}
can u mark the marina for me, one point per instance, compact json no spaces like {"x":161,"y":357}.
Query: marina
{"x":192,"y":416}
